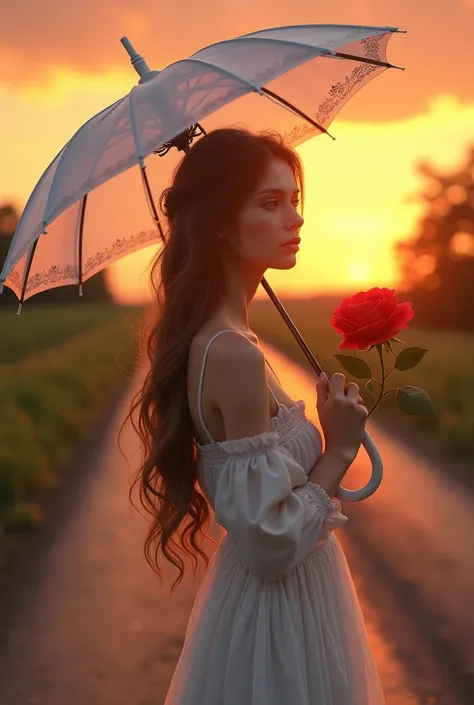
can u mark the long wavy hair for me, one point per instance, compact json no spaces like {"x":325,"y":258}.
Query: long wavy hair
{"x":210,"y":185}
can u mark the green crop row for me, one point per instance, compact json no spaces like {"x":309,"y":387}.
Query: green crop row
{"x":49,"y":403}
{"x":47,"y":326}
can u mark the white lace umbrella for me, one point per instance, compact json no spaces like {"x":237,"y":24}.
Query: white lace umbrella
{"x":94,"y":203}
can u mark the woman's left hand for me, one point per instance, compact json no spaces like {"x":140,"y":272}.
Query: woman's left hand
{"x":359,"y":399}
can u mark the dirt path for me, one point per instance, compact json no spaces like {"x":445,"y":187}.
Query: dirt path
{"x":84,"y":621}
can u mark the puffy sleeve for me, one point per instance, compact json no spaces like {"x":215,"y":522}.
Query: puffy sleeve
{"x":271,"y":511}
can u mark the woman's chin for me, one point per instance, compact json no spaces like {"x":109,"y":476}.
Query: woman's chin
{"x":287,"y":262}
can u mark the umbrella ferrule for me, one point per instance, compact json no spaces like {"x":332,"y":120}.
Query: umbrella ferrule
{"x":138,"y":62}
{"x":147,"y":76}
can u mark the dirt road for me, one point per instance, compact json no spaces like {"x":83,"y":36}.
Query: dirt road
{"x":84,"y":621}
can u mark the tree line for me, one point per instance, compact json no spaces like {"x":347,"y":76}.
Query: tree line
{"x":436,"y":262}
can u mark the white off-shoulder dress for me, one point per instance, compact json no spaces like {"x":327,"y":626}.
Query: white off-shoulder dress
{"x":276,"y":620}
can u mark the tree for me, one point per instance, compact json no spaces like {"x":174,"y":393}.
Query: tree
{"x":94,"y":289}
{"x":438,"y":263}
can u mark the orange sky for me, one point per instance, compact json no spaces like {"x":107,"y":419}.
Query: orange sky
{"x":62,"y":63}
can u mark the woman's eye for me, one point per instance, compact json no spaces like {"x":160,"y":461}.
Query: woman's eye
{"x":295,"y":204}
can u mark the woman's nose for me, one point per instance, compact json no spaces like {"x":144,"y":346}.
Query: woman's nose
{"x":297,"y":222}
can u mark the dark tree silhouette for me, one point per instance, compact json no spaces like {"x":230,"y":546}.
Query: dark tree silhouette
{"x":94,"y":289}
{"x":437,"y":264}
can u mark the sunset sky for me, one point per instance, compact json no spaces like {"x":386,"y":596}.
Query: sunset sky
{"x":63,"y":62}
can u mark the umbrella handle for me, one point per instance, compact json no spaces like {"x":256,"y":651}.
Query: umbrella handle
{"x":374,"y":456}
{"x":375,"y":479}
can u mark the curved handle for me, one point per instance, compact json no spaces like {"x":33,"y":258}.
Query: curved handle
{"x":375,"y":479}
{"x":377,"y":466}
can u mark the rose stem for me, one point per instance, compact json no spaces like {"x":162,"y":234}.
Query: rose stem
{"x":379,"y":347}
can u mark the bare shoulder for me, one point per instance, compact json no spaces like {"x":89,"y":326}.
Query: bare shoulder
{"x":240,"y":386}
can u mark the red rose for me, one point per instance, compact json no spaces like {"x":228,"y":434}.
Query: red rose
{"x":370,"y":317}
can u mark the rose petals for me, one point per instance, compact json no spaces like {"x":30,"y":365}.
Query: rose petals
{"x":370,"y":317}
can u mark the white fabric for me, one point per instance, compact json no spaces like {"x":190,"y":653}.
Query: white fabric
{"x":276,"y":620}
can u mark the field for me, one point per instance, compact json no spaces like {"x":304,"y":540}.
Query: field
{"x":446,"y":373}
{"x":58,"y":368}
{"x":60,"y":365}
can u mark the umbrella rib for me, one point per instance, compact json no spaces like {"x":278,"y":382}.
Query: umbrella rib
{"x":142,"y":165}
{"x":339,"y":26}
{"x":216,"y":68}
{"x":325,"y":51}
{"x":27,"y":273}
{"x":364,"y":60}
{"x":136,"y":136}
{"x":299,"y":112}
{"x":151,"y":202}
{"x":65,"y":150}
{"x":80,"y":241}
{"x":270,"y":40}
{"x":258,"y":35}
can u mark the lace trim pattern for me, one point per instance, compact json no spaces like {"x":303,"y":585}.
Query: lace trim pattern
{"x":341,"y":90}
{"x":315,"y":493}
{"x":219,"y":450}
{"x":56,"y":275}
{"x":14,"y":279}
{"x":284,"y":426}
{"x":372,"y":46}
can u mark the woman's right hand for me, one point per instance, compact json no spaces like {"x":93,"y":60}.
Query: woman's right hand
{"x":342,"y":415}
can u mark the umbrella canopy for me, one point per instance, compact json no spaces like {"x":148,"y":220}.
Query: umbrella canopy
{"x":94,"y":202}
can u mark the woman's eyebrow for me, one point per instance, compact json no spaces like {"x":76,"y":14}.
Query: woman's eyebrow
{"x":280,"y":191}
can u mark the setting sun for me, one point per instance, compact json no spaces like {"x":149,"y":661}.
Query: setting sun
{"x":358,"y":187}
{"x":359,"y":272}
{"x":351,"y":223}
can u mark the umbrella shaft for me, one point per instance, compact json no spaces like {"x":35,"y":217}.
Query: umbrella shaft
{"x":299,"y":339}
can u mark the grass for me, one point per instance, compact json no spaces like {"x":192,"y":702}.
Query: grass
{"x":52,"y":395}
{"x":45,"y":327}
{"x":446,"y":373}
{"x":59,"y":366}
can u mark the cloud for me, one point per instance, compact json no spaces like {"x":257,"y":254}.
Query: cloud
{"x":39,"y":39}
{"x":38,"y":36}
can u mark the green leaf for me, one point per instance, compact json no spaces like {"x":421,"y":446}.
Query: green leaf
{"x":408,"y":358}
{"x":370,"y":387}
{"x":355,"y":366}
{"x":414,"y":401}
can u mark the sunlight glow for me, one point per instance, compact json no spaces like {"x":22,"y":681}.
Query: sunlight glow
{"x":357,"y":202}
{"x":358,"y":188}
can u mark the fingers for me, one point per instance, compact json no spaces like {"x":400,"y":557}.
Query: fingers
{"x":353,"y":391}
{"x":338,"y":382}
{"x":322,"y":382}
{"x":338,"y":387}
{"x":322,"y":390}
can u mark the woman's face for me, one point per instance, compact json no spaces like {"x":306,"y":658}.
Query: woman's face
{"x":268,"y":220}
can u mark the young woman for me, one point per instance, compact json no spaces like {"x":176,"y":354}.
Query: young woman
{"x":276,"y":620}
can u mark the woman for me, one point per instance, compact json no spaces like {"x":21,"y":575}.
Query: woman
{"x":276,"y":620}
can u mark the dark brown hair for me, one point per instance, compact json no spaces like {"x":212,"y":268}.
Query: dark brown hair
{"x":210,"y":185}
